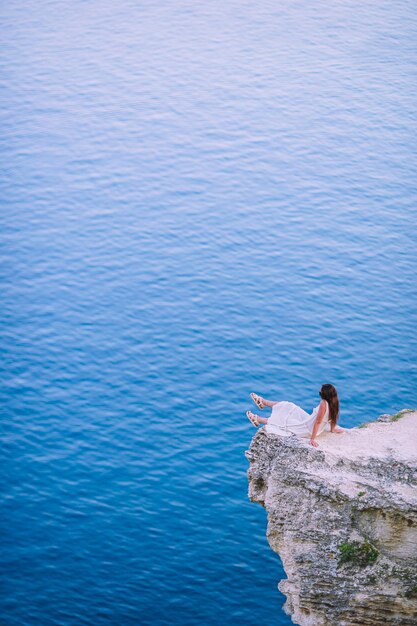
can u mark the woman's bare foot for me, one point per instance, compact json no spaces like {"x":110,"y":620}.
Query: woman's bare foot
{"x":258,"y":400}
{"x":252,"y":418}
{"x":338,"y":430}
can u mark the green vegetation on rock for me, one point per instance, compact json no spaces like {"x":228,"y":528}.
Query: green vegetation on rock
{"x":388,"y":418}
{"x":400,"y":414}
{"x":356,"y":553}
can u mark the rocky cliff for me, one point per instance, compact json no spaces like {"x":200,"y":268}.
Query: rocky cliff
{"x":343,"y":519}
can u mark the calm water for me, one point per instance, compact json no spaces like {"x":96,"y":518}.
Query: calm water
{"x":199,"y":200}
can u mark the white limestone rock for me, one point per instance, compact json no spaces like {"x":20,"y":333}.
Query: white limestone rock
{"x":343,"y":519}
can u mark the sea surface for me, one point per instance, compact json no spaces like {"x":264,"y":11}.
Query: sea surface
{"x":199,"y":200}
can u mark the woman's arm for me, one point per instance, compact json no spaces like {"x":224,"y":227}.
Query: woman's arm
{"x":319,"y":419}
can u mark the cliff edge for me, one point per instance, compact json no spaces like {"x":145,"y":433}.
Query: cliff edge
{"x":343,"y":519}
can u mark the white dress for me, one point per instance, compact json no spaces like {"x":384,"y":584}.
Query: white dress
{"x":288,"y":418}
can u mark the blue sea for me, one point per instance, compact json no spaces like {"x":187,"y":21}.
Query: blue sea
{"x":199,"y":200}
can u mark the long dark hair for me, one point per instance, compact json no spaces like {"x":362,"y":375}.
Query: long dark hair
{"x":329,"y":393}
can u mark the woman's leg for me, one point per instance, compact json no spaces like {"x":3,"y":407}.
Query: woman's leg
{"x":261,"y":420}
{"x":261,"y":402}
{"x":269,"y":403}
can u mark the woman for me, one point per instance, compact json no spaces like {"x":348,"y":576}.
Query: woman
{"x":288,"y":418}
